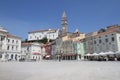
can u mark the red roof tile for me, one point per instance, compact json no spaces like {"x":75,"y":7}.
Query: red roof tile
{"x":10,"y":35}
{"x":107,"y":32}
{"x":26,"y":44}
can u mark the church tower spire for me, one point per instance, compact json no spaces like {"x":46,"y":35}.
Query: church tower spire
{"x":64,"y":23}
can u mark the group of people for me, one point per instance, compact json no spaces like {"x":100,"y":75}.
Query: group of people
{"x":103,"y":57}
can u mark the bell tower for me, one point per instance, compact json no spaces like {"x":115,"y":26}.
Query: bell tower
{"x":64,"y":23}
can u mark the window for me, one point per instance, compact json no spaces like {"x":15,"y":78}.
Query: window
{"x":94,"y":42}
{"x":105,"y":35}
{"x":8,"y":47}
{"x":16,"y":41}
{"x":8,"y":40}
{"x":100,"y":41}
{"x":113,"y":39}
{"x":53,"y":35}
{"x":106,"y":40}
{"x":35,"y":37}
{"x":12,"y":41}
{"x":2,"y":38}
{"x":12,"y":47}
{"x":112,"y":34}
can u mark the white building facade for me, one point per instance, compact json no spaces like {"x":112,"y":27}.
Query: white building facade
{"x":40,"y":34}
{"x":31,"y":51}
{"x":108,"y":40}
{"x":10,"y":46}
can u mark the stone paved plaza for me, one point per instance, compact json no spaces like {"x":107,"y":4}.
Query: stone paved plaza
{"x":64,"y":70}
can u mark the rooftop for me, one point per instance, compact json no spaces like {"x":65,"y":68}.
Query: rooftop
{"x":13,"y":36}
{"x":26,"y":44}
{"x":35,"y":31}
{"x":108,"y":30}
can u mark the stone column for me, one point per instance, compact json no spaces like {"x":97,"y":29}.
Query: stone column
{"x":40,"y":57}
{"x":19,"y":57}
{"x":3,"y":57}
{"x":66,"y":57}
{"x":73,"y":57}
{"x":78,"y":58}
{"x":82,"y":57}
{"x":70,"y":57}
{"x":9,"y":56}
{"x":14,"y":57}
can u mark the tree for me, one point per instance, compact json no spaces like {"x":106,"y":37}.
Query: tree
{"x":44,"y":40}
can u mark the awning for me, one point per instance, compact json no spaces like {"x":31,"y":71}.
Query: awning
{"x":88,"y":54}
{"x":36,"y":53}
{"x":110,"y":53}
{"x":95,"y":54}
{"x":47,"y":56}
{"x":102,"y":54}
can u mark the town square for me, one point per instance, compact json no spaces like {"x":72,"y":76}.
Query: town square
{"x":64,"y":70}
{"x":59,"y":40}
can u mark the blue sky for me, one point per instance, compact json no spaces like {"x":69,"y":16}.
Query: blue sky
{"x":21,"y":16}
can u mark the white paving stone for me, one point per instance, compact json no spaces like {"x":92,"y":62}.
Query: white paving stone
{"x":64,"y":70}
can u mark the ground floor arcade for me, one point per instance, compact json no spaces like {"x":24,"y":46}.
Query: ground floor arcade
{"x":69,"y":57}
{"x":9,"y":56}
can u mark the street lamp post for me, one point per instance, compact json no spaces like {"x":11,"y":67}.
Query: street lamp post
{"x":60,"y":55}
